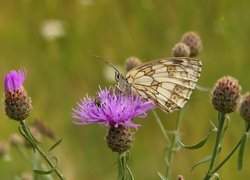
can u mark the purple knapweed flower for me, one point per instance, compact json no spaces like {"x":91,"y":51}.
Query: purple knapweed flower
{"x":111,"y":109}
{"x":14,"y":80}
{"x":17,"y":102}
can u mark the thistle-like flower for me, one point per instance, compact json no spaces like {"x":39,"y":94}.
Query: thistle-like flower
{"x":181,"y":50}
{"x":225,"y":94}
{"x":193,"y":40}
{"x":244,"y":107}
{"x":111,"y":108}
{"x":132,"y":62}
{"x":17,"y":102}
{"x":114,"y":110}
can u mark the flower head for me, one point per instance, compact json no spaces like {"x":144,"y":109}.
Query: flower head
{"x":244,"y":107}
{"x":225,"y":94}
{"x":14,"y":80}
{"x":132,"y":62}
{"x":193,"y":40}
{"x":181,"y":50}
{"x":111,"y":109}
{"x":17,"y":102}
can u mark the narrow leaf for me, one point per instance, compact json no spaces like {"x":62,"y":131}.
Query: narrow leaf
{"x":161,"y":176}
{"x":55,"y":159}
{"x":204,"y":160}
{"x":55,"y":145}
{"x":195,"y":146}
{"x":241,"y":152}
{"x":225,"y":127}
{"x":130,"y":174}
{"x":22,"y":132}
{"x":42,"y":172}
{"x":214,"y":129}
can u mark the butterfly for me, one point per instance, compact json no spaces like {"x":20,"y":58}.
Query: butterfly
{"x":167,"y":82}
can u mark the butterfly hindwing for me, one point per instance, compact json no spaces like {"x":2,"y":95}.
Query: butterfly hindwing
{"x":168,"y":82}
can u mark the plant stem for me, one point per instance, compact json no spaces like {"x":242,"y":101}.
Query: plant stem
{"x":221,"y":120}
{"x":124,"y":172}
{"x":227,"y":158}
{"x":231,"y":153}
{"x":163,"y":130}
{"x":26,"y":129}
{"x":171,"y":150}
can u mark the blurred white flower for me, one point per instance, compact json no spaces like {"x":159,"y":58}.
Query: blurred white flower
{"x":52,"y":29}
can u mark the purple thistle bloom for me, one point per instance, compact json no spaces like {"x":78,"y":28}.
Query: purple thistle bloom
{"x":111,"y":109}
{"x":14,"y":80}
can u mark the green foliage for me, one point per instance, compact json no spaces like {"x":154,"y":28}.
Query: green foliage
{"x":63,"y":70}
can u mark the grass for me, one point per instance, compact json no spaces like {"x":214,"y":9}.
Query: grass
{"x":62,"y":71}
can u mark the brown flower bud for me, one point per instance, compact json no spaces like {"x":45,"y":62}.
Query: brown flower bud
{"x":244,"y":107}
{"x":225,"y":94}
{"x":181,"y":50}
{"x":17,"y":104}
{"x":193,"y":40}
{"x":119,"y":139}
{"x":132,"y":62}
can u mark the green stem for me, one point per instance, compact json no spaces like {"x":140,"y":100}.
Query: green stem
{"x":231,"y":153}
{"x":221,"y":120}
{"x":124,"y":172}
{"x":163,"y":130}
{"x":39,"y":149}
{"x":227,"y":158}
{"x":171,"y":150}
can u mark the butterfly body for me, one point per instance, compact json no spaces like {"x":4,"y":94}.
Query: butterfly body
{"x":167,"y":82}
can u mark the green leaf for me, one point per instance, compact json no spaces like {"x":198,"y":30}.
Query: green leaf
{"x":130,"y":174}
{"x":56,"y":161}
{"x":214,"y":129}
{"x":161,"y":176}
{"x":55,"y":145}
{"x":42,"y":172}
{"x":22,"y":132}
{"x":227,"y":120}
{"x":204,"y":160}
{"x":195,"y":146}
{"x":241,"y":151}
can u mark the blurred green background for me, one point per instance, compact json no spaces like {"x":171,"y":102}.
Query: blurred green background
{"x":56,"y":40}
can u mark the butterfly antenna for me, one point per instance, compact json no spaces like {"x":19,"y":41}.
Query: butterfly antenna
{"x":107,"y":62}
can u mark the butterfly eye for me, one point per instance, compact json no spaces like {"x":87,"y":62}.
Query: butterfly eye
{"x":117,"y":76}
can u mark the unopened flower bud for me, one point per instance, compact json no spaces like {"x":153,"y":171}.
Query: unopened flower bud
{"x":181,"y":50}
{"x":17,"y":102}
{"x":16,"y":140}
{"x":180,"y":177}
{"x":132,"y":62}
{"x":245,"y":107}
{"x":119,"y":139}
{"x":225,"y":94}
{"x":3,"y":148}
{"x":193,"y":40}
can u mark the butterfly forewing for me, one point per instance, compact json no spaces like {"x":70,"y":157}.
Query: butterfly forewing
{"x":168,"y":82}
